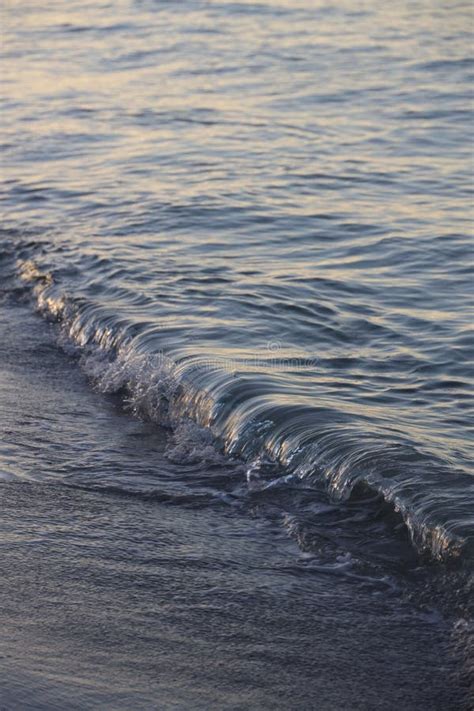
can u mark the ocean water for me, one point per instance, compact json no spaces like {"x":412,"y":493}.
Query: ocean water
{"x":236,"y":301}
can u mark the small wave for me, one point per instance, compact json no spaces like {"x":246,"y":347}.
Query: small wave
{"x":214,"y":415}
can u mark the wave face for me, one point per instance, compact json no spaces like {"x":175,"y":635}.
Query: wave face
{"x":258,"y":240}
{"x":291,"y":417}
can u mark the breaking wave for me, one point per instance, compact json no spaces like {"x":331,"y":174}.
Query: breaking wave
{"x":216,"y":412}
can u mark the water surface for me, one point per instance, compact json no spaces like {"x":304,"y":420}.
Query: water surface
{"x":250,"y":226}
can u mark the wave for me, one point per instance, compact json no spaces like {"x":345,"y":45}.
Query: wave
{"x":218,"y":412}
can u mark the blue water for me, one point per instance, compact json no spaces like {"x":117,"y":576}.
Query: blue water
{"x":250,"y":226}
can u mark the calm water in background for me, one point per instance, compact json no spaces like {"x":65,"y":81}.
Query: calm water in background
{"x":250,"y":224}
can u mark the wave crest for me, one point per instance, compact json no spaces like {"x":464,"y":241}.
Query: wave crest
{"x":241,"y":420}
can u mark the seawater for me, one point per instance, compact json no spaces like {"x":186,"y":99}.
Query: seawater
{"x":249,"y":226}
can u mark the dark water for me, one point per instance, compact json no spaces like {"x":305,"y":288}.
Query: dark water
{"x":247,"y":482}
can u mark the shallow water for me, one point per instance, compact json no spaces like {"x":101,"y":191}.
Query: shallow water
{"x":249,"y":225}
{"x":131,"y":581}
